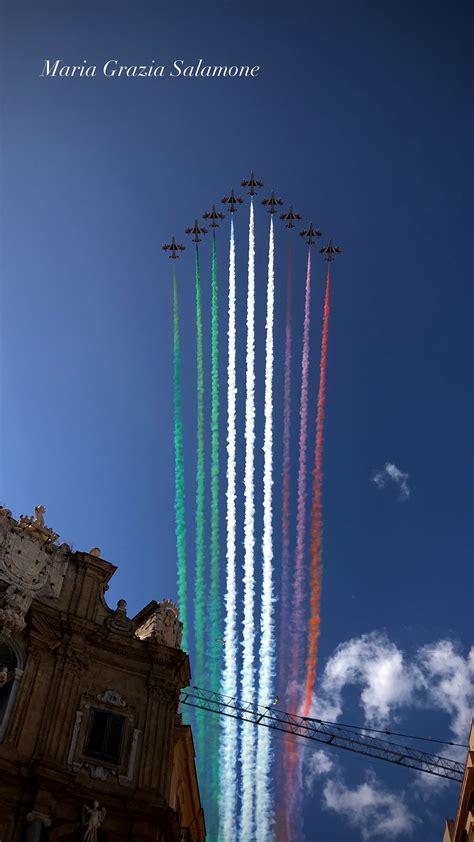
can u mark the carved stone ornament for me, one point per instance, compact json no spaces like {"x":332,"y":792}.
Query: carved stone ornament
{"x":37,"y":816}
{"x":111,"y":697}
{"x":163,"y":626}
{"x":14,"y":606}
{"x":36,"y":526}
{"x":29,"y":564}
{"x":119,"y":622}
{"x":98,"y":772}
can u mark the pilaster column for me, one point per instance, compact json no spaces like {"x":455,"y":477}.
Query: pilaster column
{"x":36,"y":821}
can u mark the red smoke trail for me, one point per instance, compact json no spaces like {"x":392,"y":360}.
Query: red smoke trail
{"x":317,"y":519}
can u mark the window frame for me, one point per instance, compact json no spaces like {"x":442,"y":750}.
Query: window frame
{"x":14,"y":685}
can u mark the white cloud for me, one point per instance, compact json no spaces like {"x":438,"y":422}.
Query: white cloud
{"x":449,"y":683}
{"x":376,"y":665}
{"x":387,"y":682}
{"x":437,"y":676}
{"x":370,"y":808}
{"x":391,"y":473}
{"x":317,"y":763}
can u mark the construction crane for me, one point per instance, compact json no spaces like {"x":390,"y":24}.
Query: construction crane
{"x":346,"y":737}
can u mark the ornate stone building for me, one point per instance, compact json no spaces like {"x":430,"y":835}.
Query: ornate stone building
{"x":461,"y":828}
{"x":92,"y":746}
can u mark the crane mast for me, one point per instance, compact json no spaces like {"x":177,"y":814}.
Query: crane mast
{"x":327,"y":733}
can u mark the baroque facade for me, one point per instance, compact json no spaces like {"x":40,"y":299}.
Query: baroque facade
{"x":92,"y":746}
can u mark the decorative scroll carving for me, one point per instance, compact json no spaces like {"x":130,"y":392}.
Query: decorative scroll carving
{"x":163,"y":626}
{"x":119,"y":622}
{"x":111,"y":697}
{"x":37,"y":816}
{"x":98,"y":772}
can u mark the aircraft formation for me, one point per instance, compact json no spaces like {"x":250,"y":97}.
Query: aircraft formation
{"x":272,"y":203}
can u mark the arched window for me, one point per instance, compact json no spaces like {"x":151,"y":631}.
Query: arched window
{"x":11,"y":664}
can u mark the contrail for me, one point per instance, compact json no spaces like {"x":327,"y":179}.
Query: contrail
{"x":215,"y":648}
{"x":229,"y":727}
{"x":199,"y":596}
{"x":264,"y":800}
{"x":248,"y":742}
{"x":179,"y":473}
{"x":316,"y":517}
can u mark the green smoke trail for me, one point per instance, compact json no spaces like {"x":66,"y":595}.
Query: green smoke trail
{"x":199,"y":595}
{"x":214,"y":602}
{"x":179,"y":473}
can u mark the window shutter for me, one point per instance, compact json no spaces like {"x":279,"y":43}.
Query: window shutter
{"x":96,"y":739}
{"x":114,"y":737}
{"x":105,"y":736}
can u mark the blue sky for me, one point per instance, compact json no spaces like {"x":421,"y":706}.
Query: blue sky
{"x":358,"y":118}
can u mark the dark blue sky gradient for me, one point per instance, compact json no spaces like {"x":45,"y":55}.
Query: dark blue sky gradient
{"x":360,"y":118}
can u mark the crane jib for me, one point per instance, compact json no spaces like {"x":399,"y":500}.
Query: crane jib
{"x":329,"y":734}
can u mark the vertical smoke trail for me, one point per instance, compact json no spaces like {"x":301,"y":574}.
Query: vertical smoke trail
{"x":215,"y":648}
{"x":316,"y":516}
{"x":285,"y":533}
{"x":248,"y":742}
{"x":264,"y":801}
{"x":199,"y":597}
{"x":298,"y":593}
{"x":229,"y":727}
{"x":296,"y":637}
{"x":286,"y":473}
{"x":179,"y":473}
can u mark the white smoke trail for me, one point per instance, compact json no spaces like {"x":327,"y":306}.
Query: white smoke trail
{"x":248,"y":741}
{"x":229,"y":727}
{"x":264,"y":800}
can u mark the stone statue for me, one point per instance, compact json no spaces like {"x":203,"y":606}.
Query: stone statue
{"x":15,"y":604}
{"x":92,"y":819}
{"x":39,"y":515}
{"x":36,"y":526}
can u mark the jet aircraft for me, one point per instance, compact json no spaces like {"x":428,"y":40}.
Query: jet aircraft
{"x":330,"y":251}
{"x":310,"y":233}
{"x":252,"y":182}
{"x":213,"y":215}
{"x":272,"y":203}
{"x":232,"y":201}
{"x":174,"y":248}
{"x":196,"y":230}
{"x":290,"y":217}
